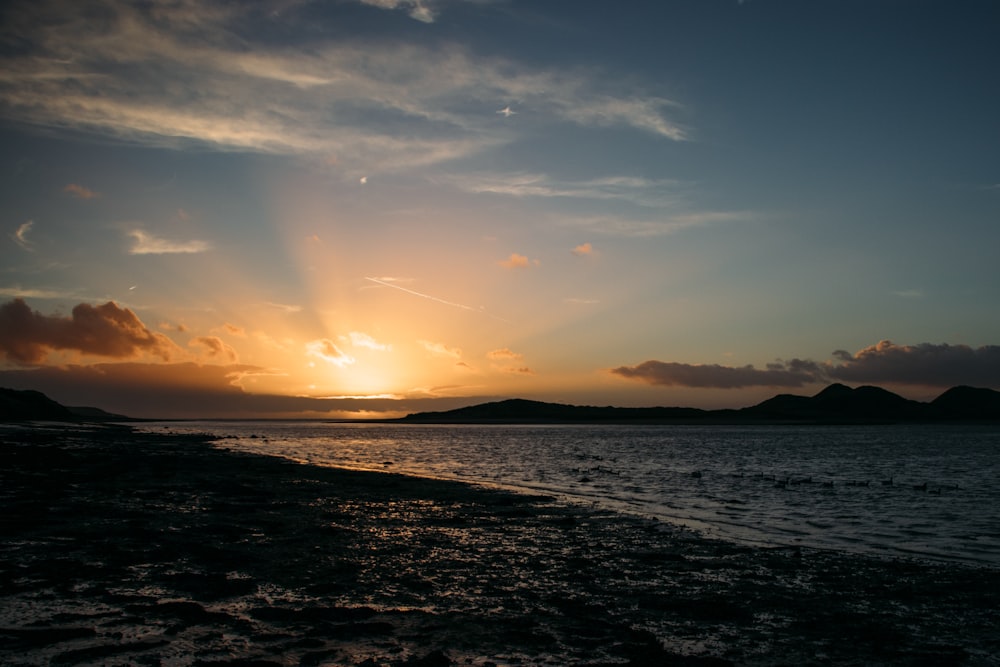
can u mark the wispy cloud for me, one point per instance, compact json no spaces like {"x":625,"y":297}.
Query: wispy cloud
{"x":35,"y":293}
{"x":583,"y":250}
{"x":637,"y":191}
{"x":506,"y":360}
{"x":216,"y":348}
{"x":21,"y":236}
{"x":667,"y":223}
{"x":198,"y":72}
{"x":327,"y":350}
{"x":441,"y":350}
{"x":360,"y":339}
{"x":417,"y":10}
{"x":147,"y":244}
{"x":81,"y":192}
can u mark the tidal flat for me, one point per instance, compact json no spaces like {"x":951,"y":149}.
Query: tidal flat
{"x":120,"y":548}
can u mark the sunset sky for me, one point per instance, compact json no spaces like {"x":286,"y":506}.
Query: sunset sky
{"x":373,"y":207}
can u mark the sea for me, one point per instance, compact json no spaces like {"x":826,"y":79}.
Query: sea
{"x":917,"y":491}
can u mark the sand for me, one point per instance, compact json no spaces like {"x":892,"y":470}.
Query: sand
{"x":120,"y":548}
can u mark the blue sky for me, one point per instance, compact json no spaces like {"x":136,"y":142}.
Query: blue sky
{"x":369,"y":207}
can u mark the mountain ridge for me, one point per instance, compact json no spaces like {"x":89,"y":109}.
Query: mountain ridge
{"x":836,"y":403}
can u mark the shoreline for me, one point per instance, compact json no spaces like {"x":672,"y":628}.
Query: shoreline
{"x":120,"y":547}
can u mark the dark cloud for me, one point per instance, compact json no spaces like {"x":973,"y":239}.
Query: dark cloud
{"x":27,"y":336}
{"x":675,"y":374}
{"x":926,"y":364}
{"x":929,"y":364}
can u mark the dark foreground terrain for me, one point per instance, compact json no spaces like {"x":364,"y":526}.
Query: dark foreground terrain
{"x":122,"y":548}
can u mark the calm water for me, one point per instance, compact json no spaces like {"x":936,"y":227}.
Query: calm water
{"x":925,"y":491}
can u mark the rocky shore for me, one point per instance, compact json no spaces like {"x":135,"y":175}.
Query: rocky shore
{"x":122,"y":548}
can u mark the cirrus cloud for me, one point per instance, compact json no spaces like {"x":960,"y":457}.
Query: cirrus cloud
{"x":147,"y":244}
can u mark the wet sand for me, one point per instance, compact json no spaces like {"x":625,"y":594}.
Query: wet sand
{"x":118,"y":548}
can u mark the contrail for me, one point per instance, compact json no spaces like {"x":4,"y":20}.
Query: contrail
{"x":433,"y":298}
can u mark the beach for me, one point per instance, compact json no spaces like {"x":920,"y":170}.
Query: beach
{"x":119,"y":548}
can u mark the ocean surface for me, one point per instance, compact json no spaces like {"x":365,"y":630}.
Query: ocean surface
{"x":929,"y":492}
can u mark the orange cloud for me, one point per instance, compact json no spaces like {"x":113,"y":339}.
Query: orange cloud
{"x":516,"y":261}
{"x":27,"y":336}
{"x":234,"y":330}
{"x":505,"y":359}
{"x":216,"y":347}
{"x":583,"y":249}
{"x":503,"y":354}
{"x":441,"y":350}
{"x":327,"y":350}
{"x":81,"y":192}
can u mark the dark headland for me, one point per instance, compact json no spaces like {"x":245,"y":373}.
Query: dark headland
{"x":837,"y":404}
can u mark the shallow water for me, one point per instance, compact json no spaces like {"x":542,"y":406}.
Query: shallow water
{"x":922,"y":491}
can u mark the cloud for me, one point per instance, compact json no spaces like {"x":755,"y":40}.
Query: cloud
{"x":441,"y":350}
{"x":21,"y":236}
{"x":234,"y":330}
{"x":80,"y":192}
{"x":173,"y":74}
{"x":215,"y":347}
{"x":715,"y":376}
{"x":415,"y":8}
{"x":639,"y":191}
{"x":147,"y":244}
{"x":359,"y":339}
{"x":516,"y":261}
{"x":503,"y":354}
{"x":328,"y":351}
{"x":642,"y":227}
{"x":506,"y":360}
{"x":583,"y":250}
{"x":30,"y":293}
{"x":925,"y":364}
{"x":107,"y":330}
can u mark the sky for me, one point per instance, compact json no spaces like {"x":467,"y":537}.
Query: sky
{"x":365,"y":208}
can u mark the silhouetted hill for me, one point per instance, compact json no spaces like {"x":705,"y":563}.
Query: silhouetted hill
{"x":841,"y":403}
{"x":525,"y":411}
{"x":18,"y":405}
{"x":967,"y":403}
{"x":28,"y":405}
{"x":837,"y":404}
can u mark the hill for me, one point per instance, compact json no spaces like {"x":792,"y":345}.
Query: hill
{"x":836,"y":404}
{"x":27,"y":405}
